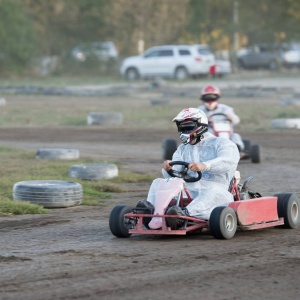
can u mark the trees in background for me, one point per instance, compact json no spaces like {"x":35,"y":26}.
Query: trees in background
{"x":17,"y":36}
{"x":45,"y":28}
{"x":140,"y":24}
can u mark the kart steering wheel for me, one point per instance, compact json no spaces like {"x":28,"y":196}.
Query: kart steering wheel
{"x":183,"y":174}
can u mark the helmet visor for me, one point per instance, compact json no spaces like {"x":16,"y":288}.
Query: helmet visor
{"x":209,"y":97}
{"x":187,"y":127}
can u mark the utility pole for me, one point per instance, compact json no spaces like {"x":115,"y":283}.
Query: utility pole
{"x":236,"y":44}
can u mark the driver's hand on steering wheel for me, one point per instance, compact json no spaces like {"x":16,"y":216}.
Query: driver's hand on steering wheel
{"x":166,"y":165}
{"x":229,"y":117}
{"x":197,"y":166}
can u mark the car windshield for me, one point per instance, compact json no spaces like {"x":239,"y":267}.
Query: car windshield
{"x":204,"y":51}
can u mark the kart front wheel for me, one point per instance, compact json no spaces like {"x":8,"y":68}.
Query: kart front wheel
{"x":288,"y":208}
{"x":223,"y":222}
{"x":118,"y":224}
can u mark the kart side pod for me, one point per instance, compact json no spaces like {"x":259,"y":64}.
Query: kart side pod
{"x":257,"y":213}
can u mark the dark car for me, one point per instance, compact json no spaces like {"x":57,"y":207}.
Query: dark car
{"x":260,"y":56}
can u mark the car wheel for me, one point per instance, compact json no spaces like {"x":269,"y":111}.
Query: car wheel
{"x":181,"y":73}
{"x":132,"y":74}
{"x":169,"y":146}
{"x":288,"y":208}
{"x":241,"y":64}
{"x":223,"y":222}
{"x":118,"y":224}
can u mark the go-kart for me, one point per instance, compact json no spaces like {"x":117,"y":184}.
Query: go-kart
{"x":219,"y":125}
{"x":248,"y":211}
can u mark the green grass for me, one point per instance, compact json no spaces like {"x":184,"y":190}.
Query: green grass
{"x":62,"y":111}
{"x":18,"y":165}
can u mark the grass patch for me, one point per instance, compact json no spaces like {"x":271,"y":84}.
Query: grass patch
{"x":19,"y":165}
{"x":9,"y":207}
{"x":289,"y":114}
{"x":133,"y":178}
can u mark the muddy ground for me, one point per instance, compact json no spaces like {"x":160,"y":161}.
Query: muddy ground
{"x":71,"y":254}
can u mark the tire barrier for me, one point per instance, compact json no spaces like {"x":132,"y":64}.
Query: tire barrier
{"x":94,"y":171}
{"x":57,"y":154}
{"x":286,"y":123}
{"x":104,"y":118}
{"x":49,"y":193}
{"x":290,"y":101}
{"x":2,"y":102}
{"x":159,"y":101}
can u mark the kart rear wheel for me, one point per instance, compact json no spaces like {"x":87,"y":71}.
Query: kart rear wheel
{"x":223,"y":222}
{"x":247,"y":145}
{"x":119,"y":226}
{"x":255,"y":154}
{"x":288,"y":207}
{"x":169,"y":146}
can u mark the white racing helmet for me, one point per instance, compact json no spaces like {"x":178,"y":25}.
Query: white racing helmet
{"x":191,"y":124}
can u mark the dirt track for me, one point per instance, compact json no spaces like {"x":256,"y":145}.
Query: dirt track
{"x":71,"y":254}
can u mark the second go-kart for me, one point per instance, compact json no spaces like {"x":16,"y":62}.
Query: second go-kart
{"x":248,"y":211}
{"x":221,"y":126}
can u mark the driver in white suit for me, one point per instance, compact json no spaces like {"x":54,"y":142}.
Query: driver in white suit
{"x":216,"y":157}
{"x":210,"y":96}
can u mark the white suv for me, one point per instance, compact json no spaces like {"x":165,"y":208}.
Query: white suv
{"x":173,"y":61}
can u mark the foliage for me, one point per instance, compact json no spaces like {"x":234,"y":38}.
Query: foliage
{"x":16,"y":35}
{"x":133,"y":25}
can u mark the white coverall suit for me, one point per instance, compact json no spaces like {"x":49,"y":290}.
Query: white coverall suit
{"x":221,"y":156}
{"x":226,"y":110}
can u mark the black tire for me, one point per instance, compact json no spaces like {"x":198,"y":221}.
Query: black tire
{"x":49,"y":193}
{"x":181,"y":73}
{"x":288,"y":208}
{"x":223,"y":222}
{"x":132,"y":74}
{"x":169,"y":146}
{"x":119,"y":226}
{"x":255,"y":154}
{"x":247,"y":145}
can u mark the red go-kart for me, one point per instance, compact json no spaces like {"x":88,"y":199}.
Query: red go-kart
{"x":248,"y":211}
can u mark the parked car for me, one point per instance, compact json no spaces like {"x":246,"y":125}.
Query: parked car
{"x":290,"y":54}
{"x":173,"y":61}
{"x":260,"y":56}
{"x":223,"y":67}
{"x":101,"y":50}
